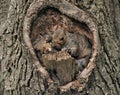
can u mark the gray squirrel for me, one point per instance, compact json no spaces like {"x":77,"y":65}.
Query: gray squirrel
{"x":76,"y":44}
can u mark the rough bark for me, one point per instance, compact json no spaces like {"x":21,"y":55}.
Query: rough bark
{"x":18,"y":76}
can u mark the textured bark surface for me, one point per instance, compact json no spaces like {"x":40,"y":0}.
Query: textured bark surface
{"x":17,"y":74}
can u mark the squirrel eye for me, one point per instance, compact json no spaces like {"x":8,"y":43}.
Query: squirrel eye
{"x":62,"y":38}
{"x":48,"y":39}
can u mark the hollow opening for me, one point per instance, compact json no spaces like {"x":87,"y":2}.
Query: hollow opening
{"x":62,"y":44}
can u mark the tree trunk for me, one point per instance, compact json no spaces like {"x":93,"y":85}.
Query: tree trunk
{"x":18,"y":76}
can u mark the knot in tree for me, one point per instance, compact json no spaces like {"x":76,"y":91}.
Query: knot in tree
{"x":63,"y":41}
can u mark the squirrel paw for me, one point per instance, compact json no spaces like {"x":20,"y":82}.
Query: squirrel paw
{"x":72,"y":51}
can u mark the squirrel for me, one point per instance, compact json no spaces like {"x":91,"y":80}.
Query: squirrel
{"x":75,"y":44}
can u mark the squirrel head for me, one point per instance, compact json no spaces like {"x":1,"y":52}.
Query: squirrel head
{"x":58,"y":39}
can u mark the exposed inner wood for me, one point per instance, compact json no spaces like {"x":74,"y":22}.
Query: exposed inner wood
{"x":60,"y":65}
